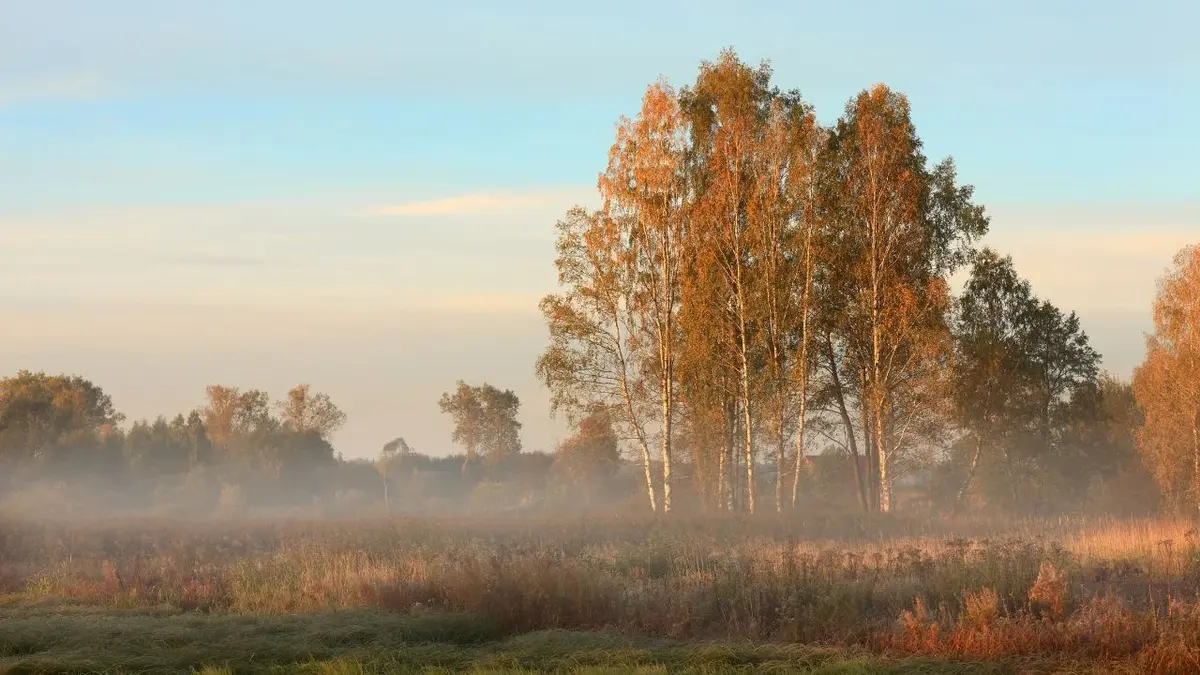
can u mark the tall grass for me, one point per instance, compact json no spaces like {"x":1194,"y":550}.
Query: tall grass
{"x":1099,"y":589}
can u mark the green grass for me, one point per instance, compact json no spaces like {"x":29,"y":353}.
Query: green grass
{"x":63,"y":638}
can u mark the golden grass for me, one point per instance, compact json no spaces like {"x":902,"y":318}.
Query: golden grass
{"x":1097,"y":589}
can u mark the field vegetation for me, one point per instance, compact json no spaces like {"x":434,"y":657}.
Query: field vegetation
{"x":397,"y":594}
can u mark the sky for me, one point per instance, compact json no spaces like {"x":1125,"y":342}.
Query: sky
{"x":361,"y":195}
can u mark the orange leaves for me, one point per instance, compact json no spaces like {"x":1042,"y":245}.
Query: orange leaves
{"x":734,"y":228}
{"x":621,"y":267}
{"x":645,"y":161}
{"x":1167,"y":384}
{"x":1177,"y":308}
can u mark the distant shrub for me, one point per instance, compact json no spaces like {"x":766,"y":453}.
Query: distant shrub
{"x":232,"y":498}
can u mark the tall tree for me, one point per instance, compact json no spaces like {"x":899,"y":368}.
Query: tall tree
{"x":901,"y":230}
{"x":727,"y":112}
{"x":810,"y":176}
{"x":783,"y":214}
{"x":1167,"y":383}
{"x":993,"y":375}
{"x":1020,"y":369}
{"x":880,"y":171}
{"x":645,"y":193}
{"x":594,"y":353}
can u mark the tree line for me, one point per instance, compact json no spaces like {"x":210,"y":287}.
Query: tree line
{"x":64,"y":428}
{"x":65,"y":446}
{"x":765,"y":313}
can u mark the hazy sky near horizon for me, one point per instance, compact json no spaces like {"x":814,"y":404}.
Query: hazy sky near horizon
{"x":361,"y":195}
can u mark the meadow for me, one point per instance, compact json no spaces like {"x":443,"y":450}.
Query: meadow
{"x":714,"y":594}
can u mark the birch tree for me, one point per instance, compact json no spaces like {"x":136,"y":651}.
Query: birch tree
{"x":593,"y":356}
{"x":781,"y":217}
{"x":1167,"y":383}
{"x":902,"y":229}
{"x":646,"y":193}
{"x":880,"y":173}
{"x":727,"y":112}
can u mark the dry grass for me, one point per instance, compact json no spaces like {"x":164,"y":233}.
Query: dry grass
{"x":1096,"y":591}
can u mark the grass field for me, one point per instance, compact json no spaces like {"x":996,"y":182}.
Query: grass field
{"x":74,"y":639}
{"x":695,"y":595}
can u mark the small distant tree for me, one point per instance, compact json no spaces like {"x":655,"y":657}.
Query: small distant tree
{"x":154,"y":449}
{"x":191,"y":434}
{"x":306,"y":412}
{"x":485,"y":420}
{"x":397,"y":447}
{"x":393,"y":451}
{"x":231,"y":416}
{"x":297,"y":460}
{"x":589,"y":456}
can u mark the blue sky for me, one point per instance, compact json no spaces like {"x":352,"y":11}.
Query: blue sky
{"x":192,"y":192}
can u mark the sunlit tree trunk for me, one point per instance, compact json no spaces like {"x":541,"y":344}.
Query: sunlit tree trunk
{"x":961,"y":499}
{"x":1196,"y":459}
{"x":802,"y":366}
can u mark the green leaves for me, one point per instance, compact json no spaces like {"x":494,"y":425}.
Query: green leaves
{"x":1020,"y":368}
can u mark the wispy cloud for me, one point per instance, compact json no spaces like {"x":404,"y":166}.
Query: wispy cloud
{"x":212,"y":260}
{"x":483,"y":203}
{"x":72,"y":87}
{"x":263,"y":315}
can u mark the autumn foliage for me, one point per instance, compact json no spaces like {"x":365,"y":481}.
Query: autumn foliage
{"x":757,"y":289}
{"x":1167,"y":384}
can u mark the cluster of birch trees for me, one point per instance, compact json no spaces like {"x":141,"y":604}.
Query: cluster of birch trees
{"x":749,"y":263}
{"x":755,"y":281}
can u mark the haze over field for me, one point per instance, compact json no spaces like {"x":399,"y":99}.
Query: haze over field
{"x":364,"y":199}
{"x":873,"y":332}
